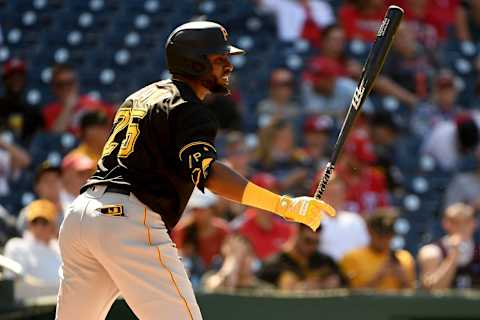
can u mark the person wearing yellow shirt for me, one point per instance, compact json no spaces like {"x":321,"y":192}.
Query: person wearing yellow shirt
{"x":377,"y":266}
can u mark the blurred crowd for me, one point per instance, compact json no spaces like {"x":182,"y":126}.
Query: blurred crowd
{"x":283,"y":143}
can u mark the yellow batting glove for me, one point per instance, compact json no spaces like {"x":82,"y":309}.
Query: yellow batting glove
{"x":306,"y":210}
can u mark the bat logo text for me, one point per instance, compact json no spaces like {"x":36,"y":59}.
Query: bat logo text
{"x":383,"y":27}
{"x":358,"y":95}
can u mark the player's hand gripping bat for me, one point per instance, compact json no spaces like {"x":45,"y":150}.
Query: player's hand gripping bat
{"x":371,"y":69}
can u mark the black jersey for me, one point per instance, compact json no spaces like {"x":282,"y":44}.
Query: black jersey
{"x":161,"y":146}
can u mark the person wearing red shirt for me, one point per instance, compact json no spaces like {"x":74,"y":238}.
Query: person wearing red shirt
{"x":201,"y":233}
{"x":266,"y":232}
{"x":361,"y":18}
{"x":65,"y":113}
{"x":430,"y":16}
{"x":366,"y":186}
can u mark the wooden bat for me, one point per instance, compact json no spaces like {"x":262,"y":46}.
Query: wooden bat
{"x":372,"y":67}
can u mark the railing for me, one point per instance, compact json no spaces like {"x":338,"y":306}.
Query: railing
{"x":325,"y":305}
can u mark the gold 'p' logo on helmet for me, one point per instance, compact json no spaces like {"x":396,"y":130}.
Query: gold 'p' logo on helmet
{"x":225,"y":34}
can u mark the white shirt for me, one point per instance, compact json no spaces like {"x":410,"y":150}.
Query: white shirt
{"x":441,"y":144}
{"x":5,"y":172}
{"x":66,"y":199}
{"x":37,"y":259}
{"x":343,"y":233}
{"x":291,"y":16}
{"x":336,"y":104}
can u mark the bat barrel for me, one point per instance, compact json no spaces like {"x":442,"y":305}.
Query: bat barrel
{"x":371,"y":69}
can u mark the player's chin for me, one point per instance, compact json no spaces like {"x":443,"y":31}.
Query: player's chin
{"x":222,"y":87}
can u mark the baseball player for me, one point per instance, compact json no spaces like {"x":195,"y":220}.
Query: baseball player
{"x":115,"y":236}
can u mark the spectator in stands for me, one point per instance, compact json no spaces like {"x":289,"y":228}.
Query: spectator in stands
{"x":266,"y":232}
{"x":37,"y":251}
{"x":429,"y":19}
{"x":16,"y":115}
{"x":8,"y":227}
{"x":276,"y":153}
{"x":450,"y":141}
{"x":76,"y":169}
{"x":300,"y":267}
{"x":13,"y":159}
{"x":377,"y":266}
{"x":47,"y":185}
{"x":366,"y":187}
{"x":237,"y":153}
{"x":467,"y":24}
{"x":361,"y":18}
{"x":237,"y":270}
{"x":238,"y":156}
{"x":442,"y":107}
{"x":384,"y":133}
{"x":325,"y":91}
{"x":333,"y":46}
{"x":299,"y":19}
{"x":347,"y":230}
{"x":200,"y":235}
{"x":280,"y":104}
{"x":454,"y":260}
{"x":94,"y":130}
{"x":65,"y":113}
{"x":316,"y":136}
{"x":407,"y":69}
{"x":465,"y":187}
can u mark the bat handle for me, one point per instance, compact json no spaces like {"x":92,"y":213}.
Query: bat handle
{"x":322,"y":186}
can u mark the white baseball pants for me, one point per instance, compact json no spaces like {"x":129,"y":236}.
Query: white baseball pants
{"x":104,"y":255}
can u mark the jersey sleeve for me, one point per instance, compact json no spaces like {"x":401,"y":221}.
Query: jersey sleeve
{"x":195,"y":130}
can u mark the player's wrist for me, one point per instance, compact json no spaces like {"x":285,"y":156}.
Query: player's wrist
{"x":258,"y":197}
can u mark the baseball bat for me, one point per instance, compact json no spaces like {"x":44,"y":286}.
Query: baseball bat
{"x":372,"y":67}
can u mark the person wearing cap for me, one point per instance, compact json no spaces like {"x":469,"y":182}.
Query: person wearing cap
{"x":16,"y":115}
{"x":47,"y":184}
{"x":201,"y":233}
{"x":280,"y":102}
{"x":325,"y":91}
{"x":299,"y":265}
{"x":366,"y":185}
{"x":377,"y":265}
{"x":65,"y":112}
{"x":76,"y":168}
{"x":37,"y":251}
{"x":443,"y":105}
{"x":94,"y":131}
{"x":266,"y":233}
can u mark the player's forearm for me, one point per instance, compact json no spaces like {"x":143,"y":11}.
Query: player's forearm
{"x":229,"y":184}
{"x":226,"y":182}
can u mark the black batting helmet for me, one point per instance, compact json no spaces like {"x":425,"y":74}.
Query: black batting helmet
{"x":189,"y":45}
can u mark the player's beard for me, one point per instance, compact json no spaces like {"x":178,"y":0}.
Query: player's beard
{"x":214,"y":85}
